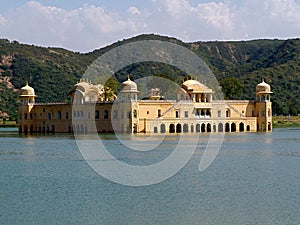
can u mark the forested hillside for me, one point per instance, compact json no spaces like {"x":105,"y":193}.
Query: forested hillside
{"x":53,"y":71}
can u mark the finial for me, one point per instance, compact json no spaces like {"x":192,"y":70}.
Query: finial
{"x":26,"y":83}
{"x":128,"y":76}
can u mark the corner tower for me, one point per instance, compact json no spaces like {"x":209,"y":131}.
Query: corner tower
{"x":27,"y":100}
{"x":263,"y":107}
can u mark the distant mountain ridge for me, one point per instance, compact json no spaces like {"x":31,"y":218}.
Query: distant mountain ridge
{"x":53,"y":71}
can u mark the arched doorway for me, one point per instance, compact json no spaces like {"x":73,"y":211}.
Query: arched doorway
{"x":233,"y":127}
{"x":197,"y":127}
{"x":248,"y":128}
{"x":162,"y":128}
{"x":227,"y":128}
{"x":242,"y":128}
{"x":214,"y":128}
{"x":185,"y":128}
{"x":192,"y":128}
{"x":208,"y":128}
{"x":202,"y":127}
{"x":220,"y":127}
{"x":178,"y":128}
{"x":172,"y":128}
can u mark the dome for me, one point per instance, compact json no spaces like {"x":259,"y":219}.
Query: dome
{"x":27,"y":91}
{"x":195,"y":86}
{"x":129,"y":86}
{"x":263,"y":88}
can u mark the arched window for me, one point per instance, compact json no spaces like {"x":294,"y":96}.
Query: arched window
{"x":155,"y":130}
{"x":162,"y":128}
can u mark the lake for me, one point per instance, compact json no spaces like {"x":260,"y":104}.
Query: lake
{"x":255,"y":179}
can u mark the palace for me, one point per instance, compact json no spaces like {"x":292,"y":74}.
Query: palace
{"x":195,"y":110}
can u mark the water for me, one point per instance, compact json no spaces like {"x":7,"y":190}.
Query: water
{"x":255,"y":179}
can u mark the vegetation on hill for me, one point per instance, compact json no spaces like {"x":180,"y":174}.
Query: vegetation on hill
{"x":53,"y":71}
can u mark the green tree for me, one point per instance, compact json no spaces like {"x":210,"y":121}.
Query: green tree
{"x":231,"y":88}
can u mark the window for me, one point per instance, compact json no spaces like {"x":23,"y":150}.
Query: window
{"x":105,"y":116}
{"x":67,"y":115}
{"x":49,"y":116}
{"x":159,"y":113}
{"x":186,"y":114}
{"x":25,"y":116}
{"x":97,"y":114}
{"x":219,"y":113}
{"x":177,"y":114}
{"x":59,"y":115}
{"x":148,"y":112}
{"x":135,"y":113}
{"x":227,"y":113}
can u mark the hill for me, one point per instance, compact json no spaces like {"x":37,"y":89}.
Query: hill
{"x":53,"y":71}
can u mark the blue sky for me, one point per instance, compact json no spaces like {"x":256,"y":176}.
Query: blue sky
{"x":86,"y":25}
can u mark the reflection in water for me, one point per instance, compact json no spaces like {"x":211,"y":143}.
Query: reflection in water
{"x":254,"y":180}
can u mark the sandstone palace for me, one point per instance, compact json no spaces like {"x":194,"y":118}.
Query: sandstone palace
{"x":194,"y":110}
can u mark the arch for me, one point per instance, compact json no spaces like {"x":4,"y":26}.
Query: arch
{"x":197,"y":127}
{"x":220,"y":127}
{"x":214,"y":128}
{"x":203,"y":127}
{"x":233,"y":127}
{"x":185,"y":128}
{"x":241,"y":127}
{"x":20,"y":129}
{"x":162,"y":128}
{"x":192,"y":128}
{"x":172,"y":128}
{"x":269,"y":126}
{"x":227,"y":127}
{"x":248,"y":128}
{"x":257,"y":126}
{"x":208,"y":128}
{"x":178,"y":128}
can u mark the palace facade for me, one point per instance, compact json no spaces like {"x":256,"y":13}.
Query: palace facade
{"x":194,"y":110}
